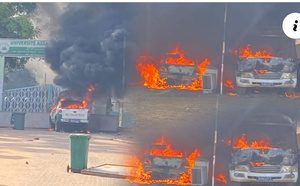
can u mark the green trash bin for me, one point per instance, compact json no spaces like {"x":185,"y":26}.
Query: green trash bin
{"x":79,"y":152}
{"x":18,"y":120}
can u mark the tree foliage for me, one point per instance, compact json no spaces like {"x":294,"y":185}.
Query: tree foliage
{"x":15,"y":22}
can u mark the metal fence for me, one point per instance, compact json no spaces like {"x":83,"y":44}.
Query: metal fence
{"x":30,"y":99}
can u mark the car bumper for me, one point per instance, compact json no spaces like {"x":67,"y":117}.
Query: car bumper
{"x":74,"y":120}
{"x":278,"y":83}
{"x":238,"y":176}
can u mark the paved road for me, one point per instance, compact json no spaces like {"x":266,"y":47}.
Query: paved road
{"x":40,"y":157}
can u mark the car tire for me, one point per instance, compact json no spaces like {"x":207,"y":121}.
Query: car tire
{"x":84,"y":128}
{"x":52,"y":125}
{"x":58,"y":126}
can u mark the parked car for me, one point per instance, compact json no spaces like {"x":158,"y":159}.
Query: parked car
{"x":69,"y":112}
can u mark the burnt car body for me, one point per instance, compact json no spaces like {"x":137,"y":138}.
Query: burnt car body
{"x":164,"y":167}
{"x":277,"y":164}
{"x":273,"y":72}
{"x":270,"y":63}
{"x":178,"y":74}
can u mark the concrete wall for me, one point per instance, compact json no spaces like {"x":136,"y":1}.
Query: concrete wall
{"x":37,"y":120}
{"x":32,"y":120}
{"x":5,"y":119}
{"x":103,"y":123}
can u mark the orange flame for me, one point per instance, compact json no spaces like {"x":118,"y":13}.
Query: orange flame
{"x":181,"y":60}
{"x":227,"y":141}
{"x":221,"y":178}
{"x":247,"y":52}
{"x":291,"y":95}
{"x":141,"y":177}
{"x":257,"y":164}
{"x":231,"y":94}
{"x":243,"y":143}
{"x":150,"y":73}
{"x":84,"y":104}
{"x":260,"y":71}
{"x":165,"y":152}
{"x":229,"y":84}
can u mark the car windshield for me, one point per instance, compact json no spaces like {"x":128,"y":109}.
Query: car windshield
{"x":268,"y":156}
{"x":267,"y":64}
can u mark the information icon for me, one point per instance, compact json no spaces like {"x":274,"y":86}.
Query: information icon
{"x":291,"y":25}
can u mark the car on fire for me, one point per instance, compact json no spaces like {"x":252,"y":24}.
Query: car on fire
{"x":259,"y":154}
{"x":69,"y":112}
{"x":164,"y":167}
{"x":270,"y":72}
{"x":177,"y":72}
{"x":271,"y":65}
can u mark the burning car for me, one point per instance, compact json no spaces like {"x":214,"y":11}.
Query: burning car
{"x":162,"y":165}
{"x":268,"y":61}
{"x":178,"y":70}
{"x":260,"y":155}
{"x":69,"y":111}
{"x":174,"y":71}
{"x":165,"y":165}
{"x":266,"y":72}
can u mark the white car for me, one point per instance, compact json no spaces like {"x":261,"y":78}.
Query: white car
{"x":69,"y":112}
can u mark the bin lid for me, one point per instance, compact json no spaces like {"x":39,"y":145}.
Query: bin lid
{"x":80,"y":136}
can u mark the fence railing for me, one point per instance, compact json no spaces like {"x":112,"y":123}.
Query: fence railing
{"x":30,"y":99}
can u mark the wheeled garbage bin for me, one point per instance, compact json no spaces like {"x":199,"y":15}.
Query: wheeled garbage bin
{"x":18,"y":119}
{"x":79,"y":152}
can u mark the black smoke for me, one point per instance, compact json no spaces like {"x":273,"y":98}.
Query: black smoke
{"x":88,"y":47}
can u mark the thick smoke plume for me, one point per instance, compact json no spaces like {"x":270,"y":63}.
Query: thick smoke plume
{"x":88,"y":48}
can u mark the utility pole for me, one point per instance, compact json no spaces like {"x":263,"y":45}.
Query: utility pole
{"x":124,"y":61}
{"x":223,"y":49}
{"x":217,"y":104}
{"x":45,"y":94}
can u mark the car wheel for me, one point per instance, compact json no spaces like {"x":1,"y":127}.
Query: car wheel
{"x":84,"y":128}
{"x":58,"y":126}
{"x":52,"y":125}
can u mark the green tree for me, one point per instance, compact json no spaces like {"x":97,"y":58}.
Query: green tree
{"x":15,"y":22}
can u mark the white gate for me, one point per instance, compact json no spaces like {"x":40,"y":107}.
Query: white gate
{"x":30,"y":99}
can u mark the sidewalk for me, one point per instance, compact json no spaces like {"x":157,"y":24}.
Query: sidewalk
{"x":40,"y":157}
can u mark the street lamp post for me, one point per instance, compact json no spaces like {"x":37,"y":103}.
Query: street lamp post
{"x":223,"y":50}
{"x":217,"y":103}
{"x":124,"y":61}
